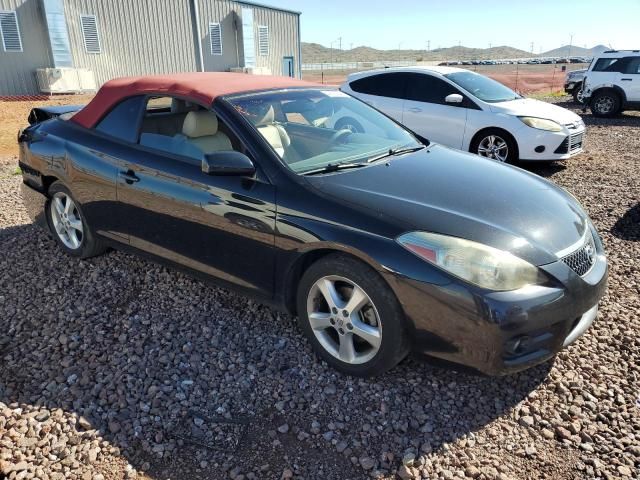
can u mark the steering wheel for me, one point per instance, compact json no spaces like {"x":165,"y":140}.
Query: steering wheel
{"x":340,"y":134}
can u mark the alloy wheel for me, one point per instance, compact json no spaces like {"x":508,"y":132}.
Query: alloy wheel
{"x":604,"y":104}
{"x":495,"y":147}
{"x":344,"y":320}
{"x":66,"y":220}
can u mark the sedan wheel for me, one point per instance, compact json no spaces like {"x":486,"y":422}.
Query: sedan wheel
{"x":344,"y":319}
{"x":344,"y":306}
{"x":68,"y":225}
{"x":495,"y":147}
{"x":66,"y":221}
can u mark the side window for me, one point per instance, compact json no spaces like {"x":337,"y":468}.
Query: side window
{"x":633,"y":66}
{"x":122,"y":121}
{"x":185,"y":129}
{"x":610,"y":65}
{"x":382,"y":85}
{"x":427,"y":88}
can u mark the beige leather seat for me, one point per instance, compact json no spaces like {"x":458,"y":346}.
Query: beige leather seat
{"x":200,"y":135}
{"x":274,"y":133}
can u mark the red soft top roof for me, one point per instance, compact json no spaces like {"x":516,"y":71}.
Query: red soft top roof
{"x":202,"y":87}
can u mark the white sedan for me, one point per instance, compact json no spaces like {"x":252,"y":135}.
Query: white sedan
{"x":464,"y":110}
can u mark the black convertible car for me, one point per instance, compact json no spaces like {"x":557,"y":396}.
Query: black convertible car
{"x":379,"y":241}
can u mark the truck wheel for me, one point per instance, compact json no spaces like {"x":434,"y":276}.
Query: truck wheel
{"x":605,"y":103}
{"x":578,"y":97}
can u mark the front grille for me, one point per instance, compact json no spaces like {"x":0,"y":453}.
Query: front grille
{"x":571,"y":143}
{"x":582,"y":259}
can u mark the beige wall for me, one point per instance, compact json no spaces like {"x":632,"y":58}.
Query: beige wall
{"x":137,"y":37}
{"x":17,"y":69}
{"x":283,"y":35}
{"x":141,"y":37}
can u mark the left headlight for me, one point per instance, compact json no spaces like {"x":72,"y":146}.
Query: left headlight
{"x":480,"y":264}
{"x":541,"y":124}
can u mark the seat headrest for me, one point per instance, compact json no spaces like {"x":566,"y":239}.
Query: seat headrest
{"x":266,"y":116}
{"x":200,"y":124}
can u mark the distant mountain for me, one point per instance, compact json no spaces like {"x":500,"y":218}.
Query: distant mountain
{"x":575,"y":51}
{"x":316,"y":53}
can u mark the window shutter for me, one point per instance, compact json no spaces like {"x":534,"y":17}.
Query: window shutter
{"x":263,"y":40}
{"x":90,"y":33}
{"x":215,"y":38}
{"x":11,"y":41}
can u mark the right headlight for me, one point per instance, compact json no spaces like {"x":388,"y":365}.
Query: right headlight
{"x":476,"y":263}
{"x":541,"y":124}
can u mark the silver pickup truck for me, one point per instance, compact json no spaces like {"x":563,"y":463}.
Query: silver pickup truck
{"x":573,"y":83}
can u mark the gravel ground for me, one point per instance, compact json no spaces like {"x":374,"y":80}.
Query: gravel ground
{"x":118,"y":368}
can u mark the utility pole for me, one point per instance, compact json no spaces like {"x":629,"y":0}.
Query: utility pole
{"x":531,"y":48}
{"x":489,"y":46}
{"x":428,"y":45}
{"x":570,"y":44}
{"x":340,"y":43}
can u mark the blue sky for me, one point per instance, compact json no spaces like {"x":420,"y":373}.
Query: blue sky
{"x":386,"y":24}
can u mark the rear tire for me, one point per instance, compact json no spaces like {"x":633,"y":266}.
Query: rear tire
{"x":360,"y":330}
{"x":68,"y":224}
{"x":605,"y":103}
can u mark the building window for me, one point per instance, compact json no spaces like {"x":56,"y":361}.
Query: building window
{"x":10,"y":32}
{"x":215,"y":38}
{"x":263,"y":40}
{"x":90,"y":33}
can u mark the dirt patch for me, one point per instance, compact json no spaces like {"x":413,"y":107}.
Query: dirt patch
{"x":15,"y":111}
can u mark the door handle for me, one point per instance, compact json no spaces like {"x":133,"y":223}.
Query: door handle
{"x":129,"y":177}
{"x":626,"y":79}
{"x":415,"y":110}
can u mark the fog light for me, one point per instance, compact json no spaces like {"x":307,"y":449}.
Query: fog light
{"x":517,"y":345}
{"x":539,"y":149}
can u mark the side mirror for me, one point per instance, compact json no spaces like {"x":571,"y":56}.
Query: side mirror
{"x":228,"y":163}
{"x":453,"y":98}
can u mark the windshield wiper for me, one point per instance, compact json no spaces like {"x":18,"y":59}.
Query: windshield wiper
{"x":394,"y":152}
{"x":333,"y":167}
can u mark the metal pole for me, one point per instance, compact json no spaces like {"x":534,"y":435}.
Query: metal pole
{"x":196,"y":20}
{"x":570,"y":44}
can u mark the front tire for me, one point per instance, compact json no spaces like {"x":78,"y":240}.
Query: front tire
{"x":351,"y":317}
{"x":605,"y":104}
{"x":68,"y":225}
{"x":495,"y":144}
{"x":577,"y":95}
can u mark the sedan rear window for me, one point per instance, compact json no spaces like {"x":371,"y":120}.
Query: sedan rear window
{"x":121,"y":121}
{"x":390,"y":85}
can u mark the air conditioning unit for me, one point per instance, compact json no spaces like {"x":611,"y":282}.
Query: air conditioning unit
{"x":87,"y":80}
{"x":252,"y":70}
{"x":65,"y":80}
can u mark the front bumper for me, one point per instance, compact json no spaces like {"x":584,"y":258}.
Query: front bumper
{"x":569,"y":87}
{"x":543,"y":146}
{"x":499,"y":333}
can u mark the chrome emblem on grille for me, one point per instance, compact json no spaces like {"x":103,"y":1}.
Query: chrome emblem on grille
{"x":589,"y":250}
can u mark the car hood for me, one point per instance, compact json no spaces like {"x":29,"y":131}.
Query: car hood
{"x":450,"y":192}
{"x":530,"y":107}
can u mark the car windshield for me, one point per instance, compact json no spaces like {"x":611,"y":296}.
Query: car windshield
{"x":314,"y":129}
{"x":484,"y":88}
